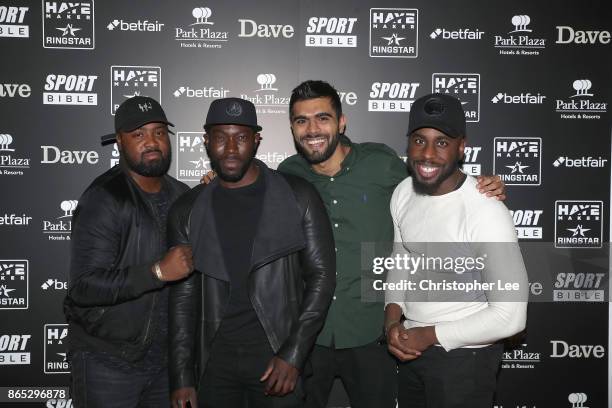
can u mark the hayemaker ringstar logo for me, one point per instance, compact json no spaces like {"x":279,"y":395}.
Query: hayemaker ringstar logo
{"x":582,"y":104}
{"x":518,"y":160}
{"x":12,"y":22}
{"x":129,"y":81}
{"x":192,"y":162}
{"x":521,"y":40}
{"x":394,"y":32}
{"x":331,"y":32}
{"x":201,"y":32}
{"x":68,"y":25}
{"x":14,"y":287}
{"x":465,"y":87}
{"x":578,"y":224}
{"x":56,"y":347}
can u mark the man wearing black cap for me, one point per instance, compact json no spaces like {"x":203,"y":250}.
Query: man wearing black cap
{"x":448,"y":338}
{"x":242,"y":329}
{"x":117,"y":302}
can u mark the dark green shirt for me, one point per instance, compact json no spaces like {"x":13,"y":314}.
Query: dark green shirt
{"x":357,"y":200}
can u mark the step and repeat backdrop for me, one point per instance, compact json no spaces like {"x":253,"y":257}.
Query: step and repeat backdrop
{"x":534,"y":78}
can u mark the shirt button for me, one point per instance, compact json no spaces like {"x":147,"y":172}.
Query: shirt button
{"x":331,"y":179}
{"x":335,"y":201}
{"x":336,"y":249}
{"x":336,"y":225}
{"x":334,"y":298}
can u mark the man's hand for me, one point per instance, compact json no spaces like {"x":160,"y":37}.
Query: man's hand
{"x":396,"y":346}
{"x":419,"y":338}
{"x":208,"y":177}
{"x":177,"y":263}
{"x":492,"y":186}
{"x":280,"y":377}
{"x":180,"y":397}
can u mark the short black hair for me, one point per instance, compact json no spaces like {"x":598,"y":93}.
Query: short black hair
{"x":315,"y":89}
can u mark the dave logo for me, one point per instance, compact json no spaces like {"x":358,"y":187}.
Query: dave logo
{"x":130,"y":81}
{"x":578,"y":224}
{"x":68,"y":25}
{"x":56,"y":336}
{"x":518,"y":161}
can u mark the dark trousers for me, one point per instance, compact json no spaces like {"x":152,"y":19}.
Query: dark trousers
{"x":232,"y":378}
{"x":99,"y":385}
{"x":368,"y":373}
{"x":465,"y":377}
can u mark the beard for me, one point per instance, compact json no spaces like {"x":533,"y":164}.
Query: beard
{"x":215,"y":163}
{"x":155,"y":168}
{"x":429,"y":188}
{"x":317,"y":156}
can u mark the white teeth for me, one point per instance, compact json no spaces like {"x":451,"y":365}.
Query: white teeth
{"x":427,"y":169}
{"x":315,"y":141}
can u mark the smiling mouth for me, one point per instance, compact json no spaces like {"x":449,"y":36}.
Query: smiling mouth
{"x":427,"y":171}
{"x":315,"y":142}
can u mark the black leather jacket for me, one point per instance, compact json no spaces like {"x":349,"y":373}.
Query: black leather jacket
{"x":291,"y":283}
{"x":112,"y":291}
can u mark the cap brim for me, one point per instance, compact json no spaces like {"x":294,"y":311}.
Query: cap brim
{"x":256,"y":128}
{"x":448,"y":131}
{"x":108,"y":139}
{"x":135,"y":125}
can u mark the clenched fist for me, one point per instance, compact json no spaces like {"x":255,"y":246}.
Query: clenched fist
{"x":177,"y":263}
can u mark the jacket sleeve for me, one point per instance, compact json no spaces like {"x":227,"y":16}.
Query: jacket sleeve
{"x":99,"y":235}
{"x":184,"y":302}
{"x":318,"y":262}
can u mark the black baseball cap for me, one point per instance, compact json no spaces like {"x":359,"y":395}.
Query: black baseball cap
{"x":134,"y":113}
{"x":438,"y":111}
{"x":232,"y":111}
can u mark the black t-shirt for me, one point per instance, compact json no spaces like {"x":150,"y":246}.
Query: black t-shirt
{"x":237,"y":214}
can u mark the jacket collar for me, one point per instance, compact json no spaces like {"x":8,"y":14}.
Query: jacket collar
{"x":279,"y":231}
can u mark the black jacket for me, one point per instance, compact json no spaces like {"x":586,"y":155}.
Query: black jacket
{"x":115,"y":241}
{"x":291,"y":282}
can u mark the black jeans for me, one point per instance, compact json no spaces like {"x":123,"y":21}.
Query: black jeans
{"x":99,"y":385}
{"x":368,"y":373}
{"x":232,"y":378}
{"x":464,"y":377}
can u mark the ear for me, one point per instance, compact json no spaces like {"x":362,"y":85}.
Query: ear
{"x":342,"y":124}
{"x":462,"y":148}
{"x":119,"y":141}
{"x":206,"y":139}
{"x":257,"y":138}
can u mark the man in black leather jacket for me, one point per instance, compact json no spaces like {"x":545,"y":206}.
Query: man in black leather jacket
{"x":116,"y":305}
{"x":242,"y":327}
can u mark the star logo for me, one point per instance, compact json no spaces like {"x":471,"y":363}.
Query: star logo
{"x":517,"y":167}
{"x":4,"y":291}
{"x":68,"y":30}
{"x":200,"y":163}
{"x":394,"y":39}
{"x":578,"y":230}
